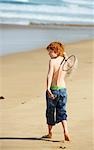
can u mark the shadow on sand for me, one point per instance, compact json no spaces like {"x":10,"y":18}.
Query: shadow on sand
{"x":28,"y":138}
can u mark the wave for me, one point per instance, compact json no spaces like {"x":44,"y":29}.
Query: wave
{"x":80,"y":2}
{"x":78,"y":12}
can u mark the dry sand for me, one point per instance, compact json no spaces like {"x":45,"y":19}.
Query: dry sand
{"x":22,"y":112}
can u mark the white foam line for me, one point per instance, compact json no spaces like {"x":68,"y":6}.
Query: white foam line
{"x":45,"y":18}
{"x":48,"y":9}
{"x":89,"y":2}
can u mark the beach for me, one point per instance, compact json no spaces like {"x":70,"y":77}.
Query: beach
{"x":22,"y":111}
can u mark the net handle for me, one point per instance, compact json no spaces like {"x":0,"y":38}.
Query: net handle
{"x":66,"y":61}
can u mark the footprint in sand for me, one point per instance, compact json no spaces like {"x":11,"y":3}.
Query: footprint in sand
{"x":23,"y":102}
{"x":62,"y":147}
{"x":2,"y":97}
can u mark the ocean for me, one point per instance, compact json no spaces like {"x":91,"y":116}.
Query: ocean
{"x":47,"y":12}
{"x":29,"y":24}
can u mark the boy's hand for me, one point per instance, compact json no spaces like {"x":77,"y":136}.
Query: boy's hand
{"x":50,"y":94}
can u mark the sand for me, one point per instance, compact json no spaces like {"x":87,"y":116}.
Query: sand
{"x":22,"y":112}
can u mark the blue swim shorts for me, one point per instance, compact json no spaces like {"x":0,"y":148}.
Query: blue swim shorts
{"x":56,"y":109}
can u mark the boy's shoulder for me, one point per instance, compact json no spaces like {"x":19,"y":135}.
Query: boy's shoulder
{"x":52,"y":62}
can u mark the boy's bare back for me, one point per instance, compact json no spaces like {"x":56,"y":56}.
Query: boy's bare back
{"x":58,"y":74}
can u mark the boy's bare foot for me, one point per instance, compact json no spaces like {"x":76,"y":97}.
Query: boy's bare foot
{"x":49,"y":136}
{"x":67,"y":138}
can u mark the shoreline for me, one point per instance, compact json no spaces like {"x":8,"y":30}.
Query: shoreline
{"x":45,"y":25}
{"x":41,"y":49}
{"x":15,"y":38}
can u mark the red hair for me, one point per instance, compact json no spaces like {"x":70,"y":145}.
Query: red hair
{"x":57,"y":47}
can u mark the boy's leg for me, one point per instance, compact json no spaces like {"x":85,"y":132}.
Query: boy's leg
{"x":50,"y":129}
{"x":61,"y":114}
{"x":65,"y":128}
{"x":50,"y":110}
{"x":49,"y":135}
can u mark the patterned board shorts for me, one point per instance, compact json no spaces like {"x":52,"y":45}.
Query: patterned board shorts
{"x":56,"y":109}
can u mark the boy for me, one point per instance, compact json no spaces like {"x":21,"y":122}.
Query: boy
{"x":56,"y":94}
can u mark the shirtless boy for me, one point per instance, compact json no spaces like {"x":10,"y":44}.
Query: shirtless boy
{"x":56,"y":92}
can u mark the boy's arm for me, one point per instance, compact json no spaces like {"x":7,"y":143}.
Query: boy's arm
{"x":49,"y":78}
{"x":49,"y":75}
